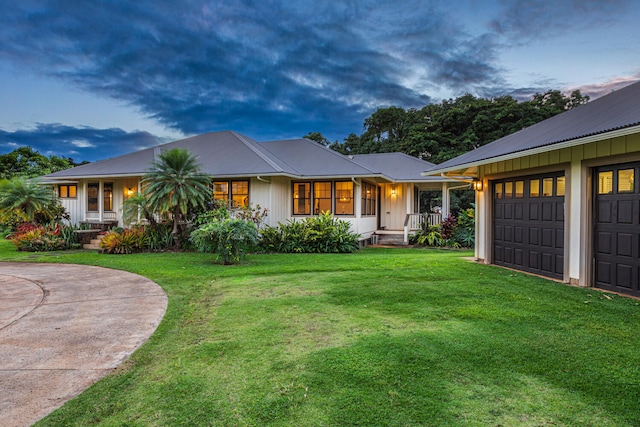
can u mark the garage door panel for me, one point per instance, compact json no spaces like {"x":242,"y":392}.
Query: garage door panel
{"x":604,"y":275}
{"x":547,"y":263}
{"x":518,"y":257}
{"x":547,"y":237}
{"x":604,"y":242}
{"x":508,"y":233}
{"x":559,"y":240}
{"x":508,"y":211}
{"x":534,"y":236}
{"x":605,"y":209}
{"x":560,"y":212}
{"x":616,"y":237}
{"x":625,"y":244}
{"x":547,"y":212}
{"x":625,"y":212}
{"x":624,"y":275}
{"x":534,"y":208}
{"x":534,"y":260}
{"x":518,"y":212}
{"x":559,"y":264}
{"x":518,"y":234}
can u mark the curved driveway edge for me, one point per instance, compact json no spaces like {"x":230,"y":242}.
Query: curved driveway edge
{"x":63,"y":327}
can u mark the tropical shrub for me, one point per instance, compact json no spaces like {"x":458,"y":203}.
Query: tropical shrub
{"x":431,"y":236}
{"x":127,"y":241}
{"x":31,"y":238}
{"x":23,"y":200}
{"x":229,"y":238}
{"x":454,"y":232}
{"x":320,"y":234}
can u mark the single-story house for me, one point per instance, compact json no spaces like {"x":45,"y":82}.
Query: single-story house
{"x":292,"y":179}
{"x":560,"y":198}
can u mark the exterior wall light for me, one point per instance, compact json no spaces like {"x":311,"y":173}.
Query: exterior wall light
{"x":393,"y":191}
{"x":477,"y":185}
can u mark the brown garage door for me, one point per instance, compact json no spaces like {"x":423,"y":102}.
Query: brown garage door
{"x":617,"y":228}
{"x":528,"y":226}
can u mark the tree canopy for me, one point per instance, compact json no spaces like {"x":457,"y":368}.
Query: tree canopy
{"x":28,"y":163}
{"x":439,"y":132}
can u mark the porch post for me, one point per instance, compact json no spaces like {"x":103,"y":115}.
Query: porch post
{"x":100,"y":200}
{"x":445,"y":200}
{"x":409,"y":196}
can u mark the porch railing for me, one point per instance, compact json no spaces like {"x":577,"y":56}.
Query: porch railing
{"x":106,"y":216}
{"x":416,"y":221}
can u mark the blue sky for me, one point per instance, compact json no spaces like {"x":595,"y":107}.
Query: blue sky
{"x":91,"y":80}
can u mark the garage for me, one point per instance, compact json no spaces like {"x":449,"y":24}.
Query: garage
{"x":528,"y":226}
{"x":617,"y":228}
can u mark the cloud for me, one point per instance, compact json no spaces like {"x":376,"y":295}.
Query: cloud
{"x":250,"y":66}
{"x":83,"y":143}
{"x":597,"y":90}
{"x":524,"y":20}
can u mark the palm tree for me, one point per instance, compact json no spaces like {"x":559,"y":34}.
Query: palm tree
{"x":175,"y":184}
{"x":25,"y":199}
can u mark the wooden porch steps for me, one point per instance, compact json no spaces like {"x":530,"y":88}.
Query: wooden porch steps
{"x":94,"y":244}
{"x":390,"y":238}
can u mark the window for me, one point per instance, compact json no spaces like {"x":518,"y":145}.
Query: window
{"x":107,"y":196}
{"x":92,"y":197}
{"x":547,"y":187}
{"x":302,"y":198}
{"x":321,"y":197}
{"x":239,"y":193}
{"x":534,"y":188}
{"x":221,"y":191}
{"x":560,"y":184}
{"x":625,"y":180}
{"x":235,"y":192}
{"x":508,"y":190}
{"x":344,"y":198}
{"x":369,"y":199}
{"x":605,"y":182}
{"x":498,"y":189}
{"x":519,"y":189}
{"x":68,"y":191}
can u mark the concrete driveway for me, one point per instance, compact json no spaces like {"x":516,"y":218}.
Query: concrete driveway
{"x":63,"y":327}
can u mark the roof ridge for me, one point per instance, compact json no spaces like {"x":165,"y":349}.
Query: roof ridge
{"x":255,"y":149}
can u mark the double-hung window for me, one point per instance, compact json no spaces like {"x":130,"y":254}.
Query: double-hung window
{"x":234,"y":192}
{"x":323,"y":196}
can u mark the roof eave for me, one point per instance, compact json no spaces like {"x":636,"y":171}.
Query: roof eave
{"x":537,"y":150}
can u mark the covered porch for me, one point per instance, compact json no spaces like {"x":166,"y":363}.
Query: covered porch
{"x":403,"y":210}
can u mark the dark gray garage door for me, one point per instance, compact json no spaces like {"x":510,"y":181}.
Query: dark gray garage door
{"x":528,"y":226}
{"x":617,"y":228}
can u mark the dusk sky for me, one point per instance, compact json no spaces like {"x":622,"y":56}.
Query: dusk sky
{"x":96,"y":79}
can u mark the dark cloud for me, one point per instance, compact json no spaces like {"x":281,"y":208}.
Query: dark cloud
{"x":265,"y":68}
{"x":524,"y":20}
{"x":79,"y":143}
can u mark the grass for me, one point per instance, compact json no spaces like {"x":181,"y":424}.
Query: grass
{"x":388,"y":337}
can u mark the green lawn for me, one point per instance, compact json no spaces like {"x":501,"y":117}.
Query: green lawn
{"x":382,"y":337}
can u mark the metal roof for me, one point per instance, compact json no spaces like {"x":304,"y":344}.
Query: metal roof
{"x":230,"y":154}
{"x":397,"y":166}
{"x":618,"y":110}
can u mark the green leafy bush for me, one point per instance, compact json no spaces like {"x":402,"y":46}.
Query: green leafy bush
{"x":230,"y":239}
{"x":454,"y":232}
{"x":320,"y":234}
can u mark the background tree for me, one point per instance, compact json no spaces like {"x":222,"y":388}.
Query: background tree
{"x":318,"y":137}
{"x":26,"y":162}
{"x":176,"y":185}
